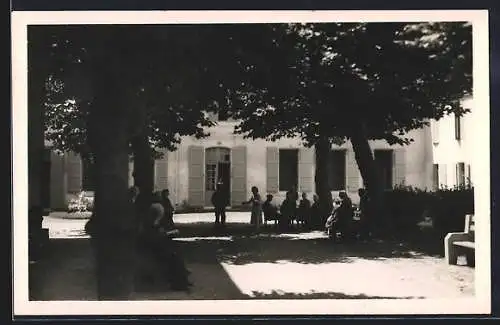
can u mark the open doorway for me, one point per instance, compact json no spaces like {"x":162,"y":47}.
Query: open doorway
{"x":217,"y":170}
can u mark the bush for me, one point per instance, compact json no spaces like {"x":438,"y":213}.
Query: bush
{"x":449,"y":207}
{"x":406,"y":206}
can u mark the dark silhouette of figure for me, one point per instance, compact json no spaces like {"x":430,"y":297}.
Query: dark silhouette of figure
{"x":304,"y":211}
{"x":168,"y":209}
{"x":344,"y":217}
{"x":270,"y":210}
{"x":294,"y":195}
{"x":288,"y":211}
{"x":156,"y":240}
{"x":315,"y":213}
{"x":220,"y":201}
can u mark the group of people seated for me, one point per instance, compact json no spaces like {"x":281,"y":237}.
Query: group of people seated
{"x":303,"y":213}
{"x":337,"y":221}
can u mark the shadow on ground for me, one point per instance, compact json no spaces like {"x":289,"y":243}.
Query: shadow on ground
{"x":67,"y":270}
{"x":240,"y":244}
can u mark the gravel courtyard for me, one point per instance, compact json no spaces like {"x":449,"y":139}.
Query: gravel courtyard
{"x":241,"y":264}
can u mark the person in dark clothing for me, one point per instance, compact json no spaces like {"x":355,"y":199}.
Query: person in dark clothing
{"x":168,"y":209}
{"x":220,"y":201}
{"x":156,"y":239}
{"x":270,"y":210}
{"x":288,"y":211}
{"x":344,"y":216}
{"x":304,"y":211}
{"x":315,"y":213}
{"x":293,"y":195}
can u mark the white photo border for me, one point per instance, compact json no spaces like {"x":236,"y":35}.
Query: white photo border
{"x":479,"y":304}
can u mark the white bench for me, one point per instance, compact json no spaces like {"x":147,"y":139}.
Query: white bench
{"x":461,"y":243}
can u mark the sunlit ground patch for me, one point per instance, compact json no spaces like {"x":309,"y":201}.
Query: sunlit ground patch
{"x":191,"y":239}
{"x":400,"y":278}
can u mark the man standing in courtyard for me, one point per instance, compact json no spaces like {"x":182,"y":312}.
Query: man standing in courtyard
{"x":220,"y":202}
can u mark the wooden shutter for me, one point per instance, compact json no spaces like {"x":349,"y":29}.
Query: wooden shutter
{"x":74,"y":172}
{"x":353,"y":175}
{"x":272,"y":169}
{"x":238,"y":175}
{"x":398,"y":167}
{"x":196,"y":174}
{"x":161,"y":172}
{"x":306,"y":167}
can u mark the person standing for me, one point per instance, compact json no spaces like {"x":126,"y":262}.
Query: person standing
{"x":256,"y":202}
{"x":220,"y":201}
{"x":168,"y":209}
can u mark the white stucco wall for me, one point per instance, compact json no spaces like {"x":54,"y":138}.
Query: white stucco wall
{"x":418,"y":160}
{"x":448,"y":151}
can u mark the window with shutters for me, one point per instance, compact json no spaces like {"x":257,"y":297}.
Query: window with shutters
{"x":435,"y":176}
{"x":384,"y":165}
{"x":458,"y":127}
{"x":461,"y":174}
{"x":288,"y":169}
{"x":87,"y":175}
{"x":337,"y":170}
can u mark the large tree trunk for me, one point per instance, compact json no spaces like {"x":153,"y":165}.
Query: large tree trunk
{"x":113,"y":230}
{"x":143,"y":170}
{"x":322,"y":153}
{"x":368,"y":169}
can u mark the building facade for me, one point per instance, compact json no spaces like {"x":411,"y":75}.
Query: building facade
{"x":192,"y":171}
{"x":452,"y":147}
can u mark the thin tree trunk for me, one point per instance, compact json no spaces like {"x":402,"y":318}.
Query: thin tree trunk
{"x":322,"y":150}
{"x":113,"y":230}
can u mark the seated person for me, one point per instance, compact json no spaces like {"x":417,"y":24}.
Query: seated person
{"x":269,"y":209}
{"x":304,"y":210}
{"x":315,"y":213}
{"x":288,"y":211}
{"x":342,"y":218}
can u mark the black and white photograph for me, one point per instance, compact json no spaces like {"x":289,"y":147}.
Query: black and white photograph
{"x":251,"y":162}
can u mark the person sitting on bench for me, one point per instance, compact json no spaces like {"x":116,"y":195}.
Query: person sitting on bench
{"x":304,"y":211}
{"x":270,"y":209}
{"x":288,"y":211}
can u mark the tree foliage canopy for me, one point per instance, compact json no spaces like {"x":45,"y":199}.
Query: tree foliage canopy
{"x":389,"y":77}
{"x":166,"y":74}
